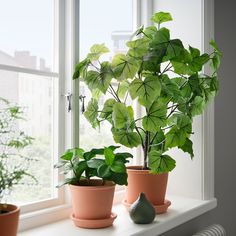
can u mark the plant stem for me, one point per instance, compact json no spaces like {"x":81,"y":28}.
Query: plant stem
{"x":136,"y":128}
{"x":172,"y":111}
{"x":73,"y":167}
{"x":116,"y":95}
{"x":146,"y":148}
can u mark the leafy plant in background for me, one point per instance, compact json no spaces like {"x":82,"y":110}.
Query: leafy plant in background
{"x":13,"y":165}
{"x":102,"y":163}
{"x":167,"y":81}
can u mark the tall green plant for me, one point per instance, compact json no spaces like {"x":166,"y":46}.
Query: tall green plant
{"x":167,"y":81}
{"x":13,"y":165}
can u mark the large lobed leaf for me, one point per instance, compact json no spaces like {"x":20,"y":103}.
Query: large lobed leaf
{"x":146,"y":90}
{"x":156,"y":116}
{"x":124,"y":67}
{"x":159,"y":163}
{"x":91,"y":112}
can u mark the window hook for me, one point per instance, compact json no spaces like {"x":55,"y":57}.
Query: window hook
{"x":68,"y":97}
{"x":81,"y":98}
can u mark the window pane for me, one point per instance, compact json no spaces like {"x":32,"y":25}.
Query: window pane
{"x":35,"y":95}
{"x":27,"y":34}
{"x":111,"y":25}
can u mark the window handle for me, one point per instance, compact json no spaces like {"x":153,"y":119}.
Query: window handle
{"x":81,"y":98}
{"x":68,"y":98}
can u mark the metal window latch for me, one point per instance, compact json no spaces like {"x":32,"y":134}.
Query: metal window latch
{"x":68,"y":97}
{"x":81,"y":98}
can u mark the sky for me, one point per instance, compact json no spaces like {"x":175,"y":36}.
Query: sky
{"x":28,"y":24}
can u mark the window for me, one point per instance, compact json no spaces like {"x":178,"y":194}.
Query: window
{"x":36,"y":71}
{"x":113,"y":30}
{"x":29,"y":77}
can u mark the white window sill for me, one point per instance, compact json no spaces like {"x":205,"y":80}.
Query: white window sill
{"x":181,"y":211}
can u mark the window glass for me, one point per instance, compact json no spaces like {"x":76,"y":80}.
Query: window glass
{"x":34,"y":94}
{"x":28,"y":41}
{"x":112,"y":24}
{"x":27,"y":34}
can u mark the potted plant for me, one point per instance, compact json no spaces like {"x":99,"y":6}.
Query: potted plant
{"x":13,"y":165}
{"x":92,"y":184}
{"x":166,"y":80}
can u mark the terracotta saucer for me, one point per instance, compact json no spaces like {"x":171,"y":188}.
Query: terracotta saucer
{"x":94,"y":224}
{"x":160,"y":209}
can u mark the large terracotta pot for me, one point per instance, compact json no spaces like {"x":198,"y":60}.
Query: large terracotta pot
{"x":153,"y":185}
{"x":9,"y":221}
{"x":92,"y":204}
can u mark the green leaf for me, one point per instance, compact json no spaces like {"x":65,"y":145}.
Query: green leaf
{"x":124,"y":67}
{"x":78,"y":152}
{"x":197,"y":106}
{"x":150,"y":31}
{"x":93,"y":152}
{"x":188,"y":147}
{"x":121,"y":115}
{"x":91,"y":112}
{"x":96,"y":51}
{"x":105,"y":76}
{"x":181,"y":68}
{"x":127,"y":138}
{"x":80,"y":68}
{"x":162,"y":36}
{"x":186,"y":91}
{"x":175,"y":137}
{"x":123,"y":156}
{"x":194,"y":52}
{"x":138,"y":47}
{"x":214,"y":45}
{"x":184,"y":123}
{"x":156,"y":117}
{"x":68,"y":155}
{"x":109,"y":156}
{"x":215,"y":61}
{"x":108,"y":109}
{"x":122,"y":89}
{"x":59,"y":164}
{"x":170,"y":89}
{"x":214,"y":84}
{"x":104,"y":171}
{"x":96,"y":94}
{"x":194,"y":83}
{"x":158,"y":142}
{"x":80,"y":168}
{"x":147,"y":91}
{"x":119,"y":178}
{"x":160,"y":163}
{"x":99,"y":80}
{"x":118,"y":167}
{"x":95,"y":163}
{"x":197,"y":62}
{"x":174,"y":49}
{"x":161,"y":17}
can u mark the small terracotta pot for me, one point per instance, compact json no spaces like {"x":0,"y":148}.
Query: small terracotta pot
{"x":9,"y":221}
{"x":153,"y":185}
{"x":92,"y":202}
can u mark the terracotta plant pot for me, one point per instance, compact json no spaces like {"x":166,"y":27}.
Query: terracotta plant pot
{"x":9,"y":221}
{"x":153,"y":185}
{"x":92,"y":204}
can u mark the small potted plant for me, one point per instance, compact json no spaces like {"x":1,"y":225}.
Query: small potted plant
{"x":92,"y":184}
{"x":13,"y":165}
{"x":166,"y":80}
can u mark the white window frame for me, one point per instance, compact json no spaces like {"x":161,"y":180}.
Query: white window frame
{"x":69,"y":51}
